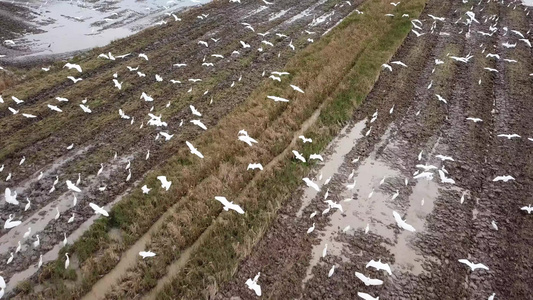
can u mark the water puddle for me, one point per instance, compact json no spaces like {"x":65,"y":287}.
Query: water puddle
{"x":92,"y":24}
{"x":306,"y":12}
{"x":278,"y":15}
{"x":342,"y":145}
{"x":378,"y":178}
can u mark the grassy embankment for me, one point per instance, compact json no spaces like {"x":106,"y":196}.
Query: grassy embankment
{"x":340,"y":70}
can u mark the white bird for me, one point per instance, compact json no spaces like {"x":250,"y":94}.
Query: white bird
{"x":255,"y":166}
{"x":311,"y":184}
{"x":17,"y":100}
{"x":278,"y":99}
{"x":509,"y":45}
{"x":503,"y":178}
{"x":19,"y":247}
{"x":194,"y":150}
{"x":10,"y":259}
{"x":71,"y":219}
{"x":145,"y":254}
{"x":378,"y":265}
{"x":164,"y":182}
{"x":65,"y":241}
{"x":195,"y":111}
{"x":366,"y":296}
{"x":386,"y":66}
{"x":304,"y":139}
{"x":367,"y":280}
{"x":275,"y":78}
{"x":401,"y":223}
{"x":74,"y":79}
{"x":57,"y":214}
{"x":444,"y":179}
{"x":72,"y":187}
{"x":145,"y":189}
{"x":395,"y":195}
{"x":167,"y":136}
{"x":146,"y":97}
{"x":11,"y":198}
{"x":509,"y":136}
{"x":440,"y":98}
{"x":54,"y":108}
{"x":37,"y":242}
{"x":131,"y":69}
{"x":61,"y":99}
{"x":199,"y":124}
{"x":247,"y":139}
{"x":252,"y":284}
{"x":444,"y":158}
{"x":27,"y":204}
{"x":85,"y":109}
{"x":494,"y":225}
{"x":298,"y":155}
{"x":73,"y":66}
{"x":325,"y":250}
{"x":27,"y":233}
{"x":297,"y":89}
{"x":67,"y":261}
{"x":142,"y":55}
{"x":351,"y":186}
{"x":10,"y":223}
{"x":203,"y":43}
{"x":40,"y":264}
{"x":118,"y":85}
{"x":331,"y":271}
{"x":244,"y":45}
{"x":74,"y":201}
{"x":473,"y":266}
{"x":99,"y":210}
{"x":528,"y":208}
{"x":229,"y":205}
{"x":475,"y":120}
{"x":397,"y":62}
{"x":311,"y":229}
{"x":491,"y":70}
{"x":316,"y":156}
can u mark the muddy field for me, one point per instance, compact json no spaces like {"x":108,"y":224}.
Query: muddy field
{"x":452,"y":221}
{"x":102,"y":137}
{"x":370,"y":166}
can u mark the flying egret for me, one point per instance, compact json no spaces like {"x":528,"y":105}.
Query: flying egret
{"x":164,"y":182}
{"x":145,"y":254}
{"x":401,"y":223}
{"x":194,"y":150}
{"x":473,"y":266}
{"x":10,"y":223}
{"x":367,"y":280}
{"x":229,"y":205}
{"x":252,"y":284}
{"x":378,"y":265}
{"x":99,"y":210}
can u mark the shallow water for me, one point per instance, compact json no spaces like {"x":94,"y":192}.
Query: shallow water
{"x":77,"y":25}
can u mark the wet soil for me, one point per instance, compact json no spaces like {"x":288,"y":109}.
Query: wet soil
{"x":49,"y":153}
{"x":424,"y":263}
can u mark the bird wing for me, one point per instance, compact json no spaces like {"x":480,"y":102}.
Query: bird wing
{"x":236,"y":208}
{"x":466,"y":262}
{"x":222,"y":200}
{"x":191,"y":147}
{"x":397,"y":218}
{"x":362,"y":277}
{"x":372,"y":281}
{"x":480,"y":266}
